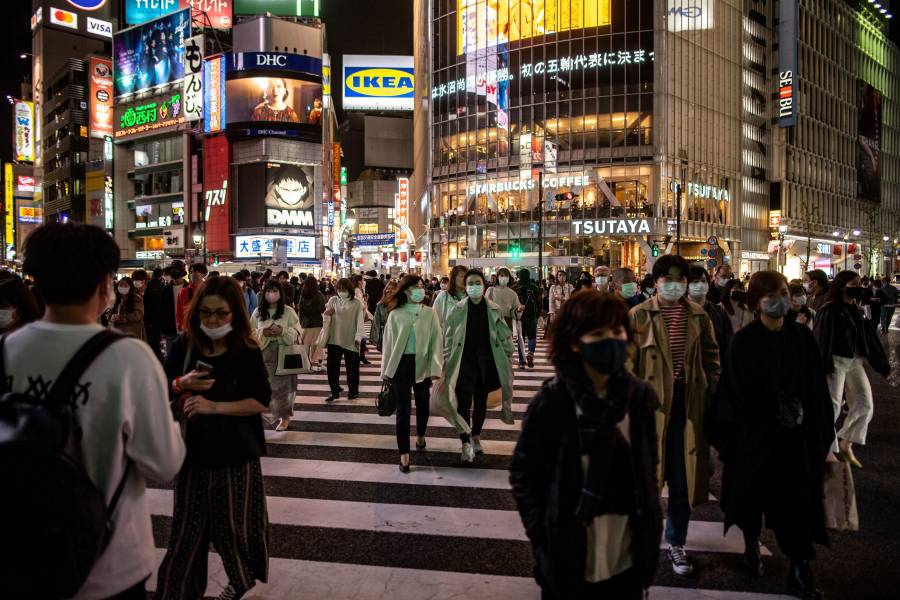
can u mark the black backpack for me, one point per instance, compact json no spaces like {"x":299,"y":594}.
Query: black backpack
{"x":528,"y":299}
{"x":55,"y":520}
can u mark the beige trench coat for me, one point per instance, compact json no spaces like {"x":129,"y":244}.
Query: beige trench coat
{"x":702,"y":370}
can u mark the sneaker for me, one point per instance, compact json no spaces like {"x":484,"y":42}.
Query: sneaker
{"x":468,"y":454}
{"x":530,"y":359}
{"x":476,"y":445}
{"x":521,"y":365}
{"x":681,"y":565}
{"x":230,"y":593}
{"x":283,"y":424}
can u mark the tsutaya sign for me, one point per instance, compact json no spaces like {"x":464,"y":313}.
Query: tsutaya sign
{"x":529,"y":184}
{"x":611,"y":227}
{"x":699,"y":190}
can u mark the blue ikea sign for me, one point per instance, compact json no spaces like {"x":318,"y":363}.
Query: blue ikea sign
{"x":379,"y":82}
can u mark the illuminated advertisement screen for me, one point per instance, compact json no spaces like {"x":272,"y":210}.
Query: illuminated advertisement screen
{"x":23,"y":130}
{"x":214,"y":104}
{"x":485,"y":23}
{"x":279,"y":8}
{"x":151,"y":55}
{"x":101,"y":103}
{"x":276,"y":195}
{"x":148,"y":115}
{"x":276,"y":106}
{"x":218,"y":11}
{"x":869,"y":102}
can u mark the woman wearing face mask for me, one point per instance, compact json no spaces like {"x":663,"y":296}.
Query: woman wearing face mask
{"x":127,"y":312}
{"x":504,"y":297}
{"x":311,"y":305}
{"x":697,"y":292}
{"x":800,"y":312}
{"x":275,"y":325}
{"x":376,"y":335}
{"x":454,"y":292}
{"x":477,"y":361}
{"x":779,"y":429}
{"x":413,"y":356}
{"x":648,"y":288}
{"x":17,"y":305}
{"x":584,"y":469}
{"x":559,"y":293}
{"x":219,"y":383}
{"x":734,"y":305}
{"x":345,"y":332}
{"x":846,"y":340}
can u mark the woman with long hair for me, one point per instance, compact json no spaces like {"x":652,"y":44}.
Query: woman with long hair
{"x":412,"y":356}
{"x":220,"y":385}
{"x":345,"y":333}
{"x":560,"y":292}
{"x":127,"y":312}
{"x":456,"y":291}
{"x":275,"y":325}
{"x":773,"y":431}
{"x":846,"y":340}
{"x":310,"y":307}
{"x":584,"y":469}
{"x":18,"y":306}
{"x":380,"y":318}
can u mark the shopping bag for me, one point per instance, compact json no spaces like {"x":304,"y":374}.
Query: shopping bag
{"x":840,"y":497}
{"x":494,"y":399}
{"x":292,"y":360}
{"x":386,"y":401}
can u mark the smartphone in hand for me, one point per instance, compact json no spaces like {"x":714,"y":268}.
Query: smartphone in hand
{"x":205,"y":368}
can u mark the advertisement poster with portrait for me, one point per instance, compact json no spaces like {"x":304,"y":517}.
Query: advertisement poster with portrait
{"x":275,"y":105}
{"x":277,"y":195}
{"x":151,"y":55}
{"x":869,"y":102}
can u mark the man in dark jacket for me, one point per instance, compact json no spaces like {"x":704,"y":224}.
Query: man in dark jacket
{"x":170,"y":292}
{"x":530,"y":301}
{"x":374,"y":290}
{"x":153,"y":311}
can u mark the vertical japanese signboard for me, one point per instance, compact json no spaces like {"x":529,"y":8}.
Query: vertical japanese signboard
{"x":401,"y":214}
{"x":214,"y":97}
{"x":101,"y":100}
{"x":9,"y":210}
{"x":787,"y":63}
{"x":23,"y":130}
{"x":193,"y":78}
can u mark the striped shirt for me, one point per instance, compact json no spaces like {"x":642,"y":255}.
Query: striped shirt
{"x":675,"y":318}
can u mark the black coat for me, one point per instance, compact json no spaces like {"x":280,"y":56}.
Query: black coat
{"x":771,"y":469}
{"x":153,"y":306}
{"x":836,"y":326}
{"x":546,"y":474}
{"x":374,"y":292}
{"x":167,"y":321}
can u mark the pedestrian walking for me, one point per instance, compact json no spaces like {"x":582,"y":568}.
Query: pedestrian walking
{"x":310,"y":307}
{"x":380,"y":317}
{"x":583,"y":472}
{"x":152,"y":293}
{"x":504,"y":297}
{"x":799,"y":312}
{"x":127,"y":312}
{"x":776,"y":432}
{"x":477,"y":361}
{"x":559,"y":293}
{"x":450,"y":297}
{"x":733,"y":301}
{"x":220,"y":385}
{"x":846,"y":341}
{"x":412,"y":357}
{"x":698,"y":291}
{"x":815,"y":283}
{"x":197,"y":273}
{"x":275,"y":325}
{"x":127,"y":433}
{"x":602,"y":278}
{"x":342,"y":337}
{"x":888,"y":295}
{"x":678,"y":356}
{"x":624,"y":284}
{"x":170,"y":327}
{"x":247,"y":293}
{"x":17,"y":304}
{"x":529,"y":299}
{"x":374,"y":289}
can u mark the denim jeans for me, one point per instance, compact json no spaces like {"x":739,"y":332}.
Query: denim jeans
{"x":679,"y":507}
{"x":528,"y":329}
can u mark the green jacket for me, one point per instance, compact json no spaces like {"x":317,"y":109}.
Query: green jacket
{"x":443,"y":304}
{"x":445,"y":402}
{"x":429,"y":345}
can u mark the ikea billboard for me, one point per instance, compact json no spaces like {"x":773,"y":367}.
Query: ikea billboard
{"x":378,"y":82}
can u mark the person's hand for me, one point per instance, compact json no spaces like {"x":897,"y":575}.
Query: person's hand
{"x":357,"y":345}
{"x":198,"y":405}
{"x":196,"y":381}
{"x":329,"y":312}
{"x":802,"y":319}
{"x":831,"y":458}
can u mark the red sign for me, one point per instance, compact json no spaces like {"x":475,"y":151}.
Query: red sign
{"x":217,"y":11}
{"x":216,"y":207}
{"x":101,"y":101}
{"x":401,"y":212}
{"x":25,"y":183}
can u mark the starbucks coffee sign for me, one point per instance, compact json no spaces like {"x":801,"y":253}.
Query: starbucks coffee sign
{"x":611,"y":227}
{"x":515,"y":185}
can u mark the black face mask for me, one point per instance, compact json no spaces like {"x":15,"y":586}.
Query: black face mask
{"x":855,"y":293}
{"x":605,"y":356}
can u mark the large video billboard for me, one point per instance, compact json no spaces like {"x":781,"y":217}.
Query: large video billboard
{"x":276,"y":195}
{"x":273,"y":100}
{"x":217,"y":11}
{"x":869,"y":102}
{"x":279,"y":8}
{"x":378,"y":82}
{"x":485,"y":23}
{"x":151,"y":56}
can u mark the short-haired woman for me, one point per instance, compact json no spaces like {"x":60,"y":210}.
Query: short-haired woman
{"x":18,"y":306}
{"x":275,"y":325}
{"x":345,"y":333}
{"x":774,"y":432}
{"x":219,"y":381}
{"x":477,"y":361}
{"x":412,"y":356}
{"x":800,"y":312}
{"x":127,"y":312}
{"x":584,"y":469}
{"x":456,"y":291}
{"x":310,"y":307}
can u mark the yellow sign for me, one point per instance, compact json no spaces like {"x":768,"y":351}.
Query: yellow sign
{"x":8,"y":203}
{"x":485,"y":23}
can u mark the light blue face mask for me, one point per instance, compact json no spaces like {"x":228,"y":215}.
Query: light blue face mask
{"x":672,"y":290}
{"x":628,"y":290}
{"x":475,"y":291}
{"x":417,"y":295}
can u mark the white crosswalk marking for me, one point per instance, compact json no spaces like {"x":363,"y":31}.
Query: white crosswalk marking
{"x":340,"y":510}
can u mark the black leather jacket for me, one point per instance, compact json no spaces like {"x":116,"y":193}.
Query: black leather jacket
{"x":838,"y":331}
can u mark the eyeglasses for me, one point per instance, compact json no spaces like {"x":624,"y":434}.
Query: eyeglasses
{"x":209,"y":314}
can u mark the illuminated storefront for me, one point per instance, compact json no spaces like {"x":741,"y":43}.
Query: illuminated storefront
{"x":533,"y":99}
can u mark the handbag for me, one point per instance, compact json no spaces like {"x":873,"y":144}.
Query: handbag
{"x":292,"y":359}
{"x":386,"y":401}
{"x":840,"y":497}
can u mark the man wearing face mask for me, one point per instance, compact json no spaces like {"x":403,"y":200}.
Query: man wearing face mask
{"x":723,"y":275}
{"x":678,"y":356}
{"x":624,"y":285}
{"x":198,"y":272}
{"x":170,"y":293}
{"x":601,"y":278}
{"x":697,"y":292}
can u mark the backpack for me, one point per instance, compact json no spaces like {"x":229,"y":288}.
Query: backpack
{"x":528,"y":299}
{"x":56,"y":521}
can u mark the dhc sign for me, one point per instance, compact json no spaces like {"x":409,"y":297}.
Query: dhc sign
{"x":379,"y":82}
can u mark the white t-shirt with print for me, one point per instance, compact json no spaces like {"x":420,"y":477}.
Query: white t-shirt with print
{"x":122,"y":407}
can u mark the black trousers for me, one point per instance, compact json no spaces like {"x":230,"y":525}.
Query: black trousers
{"x":792,"y":541}
{"x":404,"y":383}
{"x":351,"y":364}
{"x":137,"y":592}
{"x":467,"y":403}
{"x":154,"y":340}
{"x":624,"y":586}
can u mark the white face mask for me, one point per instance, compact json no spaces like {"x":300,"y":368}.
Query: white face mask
{"x":272,"y":297}
{"x":444,"y":286}
{"x":808,"y":286}
{"x":697,"y":290}
{"x":344,"y":295}
{"x":800,"y":300}
{"x":7,"y":316}
{"x":672,"y":290}
{"x":722,"y":281}
{"x":216,"y":333}
{"x":123,"y":290}
{"x":503,"y":280}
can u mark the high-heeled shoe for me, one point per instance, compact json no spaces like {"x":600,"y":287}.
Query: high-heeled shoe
{"x":420,"y":447}
{"x":846,"y":452}
{"x":404,"y":468}
{"x":801,"y":583}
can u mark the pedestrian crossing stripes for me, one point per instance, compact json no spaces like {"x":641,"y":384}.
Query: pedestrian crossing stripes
{"x":346,"y":523}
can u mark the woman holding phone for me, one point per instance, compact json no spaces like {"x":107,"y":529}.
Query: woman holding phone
{"x":219,"y":381}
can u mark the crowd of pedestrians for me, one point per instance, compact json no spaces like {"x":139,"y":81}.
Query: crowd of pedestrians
{"x":650,"y":375}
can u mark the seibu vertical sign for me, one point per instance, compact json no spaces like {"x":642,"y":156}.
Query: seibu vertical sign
{"x":216,"y":194}
{"x":787,"y":63}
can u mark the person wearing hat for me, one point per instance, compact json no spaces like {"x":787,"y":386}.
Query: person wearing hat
{"x":374,"y":291}
{"x":529,"y":310}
